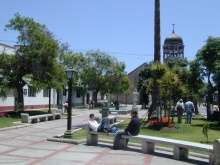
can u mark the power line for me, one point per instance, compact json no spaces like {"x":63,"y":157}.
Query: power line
{"x":118,"y":53}
{"x":109,"y":52}
{"x":9,"y":41}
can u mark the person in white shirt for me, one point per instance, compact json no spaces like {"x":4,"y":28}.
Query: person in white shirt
{"x":93,"y":124}
{"x":103,"y":126}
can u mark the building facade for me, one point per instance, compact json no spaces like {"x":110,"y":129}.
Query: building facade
{"x":133,"y":77}
{"x":40,"y":99}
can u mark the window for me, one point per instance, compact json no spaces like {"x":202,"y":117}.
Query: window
{"x":31,"y":92}
{"x":25,"y":92}
{"x":46,"y":92}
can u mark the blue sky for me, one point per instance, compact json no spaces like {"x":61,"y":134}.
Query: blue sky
{"x":122,"y":28}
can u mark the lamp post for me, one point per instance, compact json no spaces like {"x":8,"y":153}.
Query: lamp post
{"x":69,"y":73}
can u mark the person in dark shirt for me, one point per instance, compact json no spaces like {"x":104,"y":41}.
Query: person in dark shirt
{"x":132,"y":129}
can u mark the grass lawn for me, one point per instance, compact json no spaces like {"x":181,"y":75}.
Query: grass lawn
{"x":186,"y":132}
{"x":7,"y":121}
{"x":15,"y":116}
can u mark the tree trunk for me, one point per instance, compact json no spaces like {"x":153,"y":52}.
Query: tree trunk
{"x":49,"y":90}
{"x":95,"y":100}
{"x":219,"y":97}
{"x":196,"y":107}
{"x":19,"y":98}
{"x":209,"y":98}
{"x":155,"y":100}
{"x":157,"y":31}
{"x":155,"y":91}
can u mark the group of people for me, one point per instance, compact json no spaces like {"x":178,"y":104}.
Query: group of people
{"x":132,"y":129}
{"x":187,"y":107}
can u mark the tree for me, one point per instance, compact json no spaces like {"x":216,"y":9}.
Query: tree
{"x":208,"y":56}
{"x":105,"y":74}
{"x":195,"y":82}
{"x":79,"y":63}
{"x":35,"y":57}
{"x":168,"y":82}
{"x":150,"y":77}
{"x":142,"y":88}
{"x":171,"y":89}
{"x":157,"y":48}
{"x":117,"y":81}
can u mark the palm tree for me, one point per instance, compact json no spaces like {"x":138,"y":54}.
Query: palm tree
{"x":155,"y":91}
{"x":157,"y":31}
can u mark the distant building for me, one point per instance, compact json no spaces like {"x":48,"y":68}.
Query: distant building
{"x":40,"y":99}
{"x":173,"y":47}
{"x":133,"y":77}
{"x":7,"y":49}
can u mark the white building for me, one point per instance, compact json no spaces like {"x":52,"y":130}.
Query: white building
{"x":40,"y":100}
{"x":32,"y":99}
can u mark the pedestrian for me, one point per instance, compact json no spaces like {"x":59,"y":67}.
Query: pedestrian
{"x":189,"y":109}
{"x":132,"y":129}
{"x":65,"y":105}
{"x":179,"y":109}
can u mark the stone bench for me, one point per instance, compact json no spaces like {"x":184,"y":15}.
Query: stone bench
{"x":180,"y":148}
{"x":25,"y":118}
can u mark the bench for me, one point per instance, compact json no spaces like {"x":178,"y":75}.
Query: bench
{"x":25,"y":118}
{"x":180,"y":148}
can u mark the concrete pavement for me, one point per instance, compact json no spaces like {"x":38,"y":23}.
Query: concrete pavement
{"x":28,"y":146}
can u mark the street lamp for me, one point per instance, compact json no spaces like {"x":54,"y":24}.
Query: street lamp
{"x":69,"y":74}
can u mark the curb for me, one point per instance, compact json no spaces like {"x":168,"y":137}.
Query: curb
{"x":63,"y":140}
{"x":59,"y":138}
{"x":15,"y":127}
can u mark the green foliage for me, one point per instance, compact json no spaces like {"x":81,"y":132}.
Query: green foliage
{"x":195,"y":81}
{"x":35,"y":61}
{"x":209,"y":57}
{"x":105,"y":73}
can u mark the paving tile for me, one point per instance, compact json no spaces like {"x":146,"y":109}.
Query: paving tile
{"x":60,"y":162}
{"x":85,"y":148}
{"x":15,"y":142}
{"x":74,"y":156}
{"x":31,"y":153}
{"x":161,"y":160}
{"x":125,"y":152}
{"x":49,"y":145}
{"x":5,"y":148}
{"x":30,"y":138}
{"x":9,"y":160}
{"x":120,"y":159}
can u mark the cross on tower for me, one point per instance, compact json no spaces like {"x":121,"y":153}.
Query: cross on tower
{"x":173,"y":28}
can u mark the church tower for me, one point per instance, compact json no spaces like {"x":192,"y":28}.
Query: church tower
{"x":173,"y":47}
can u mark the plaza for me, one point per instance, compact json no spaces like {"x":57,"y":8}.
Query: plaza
{"x":109,"y":82}
{"x":29,"y":145}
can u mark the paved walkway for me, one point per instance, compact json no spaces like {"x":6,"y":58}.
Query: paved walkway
{"x":28,"y":146}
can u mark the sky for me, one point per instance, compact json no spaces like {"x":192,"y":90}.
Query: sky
{"x":121,"y":28}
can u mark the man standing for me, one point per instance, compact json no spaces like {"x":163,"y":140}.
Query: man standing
{"x":179,"y":108}
{"x":189,"y":109}
{"x":132,"y":129}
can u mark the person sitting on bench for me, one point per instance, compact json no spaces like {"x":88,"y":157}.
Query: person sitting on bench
{"x":103,"y":126}
{"x":132,"y":129}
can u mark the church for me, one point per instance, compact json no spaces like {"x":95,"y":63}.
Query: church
{"x":173,"y":49}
